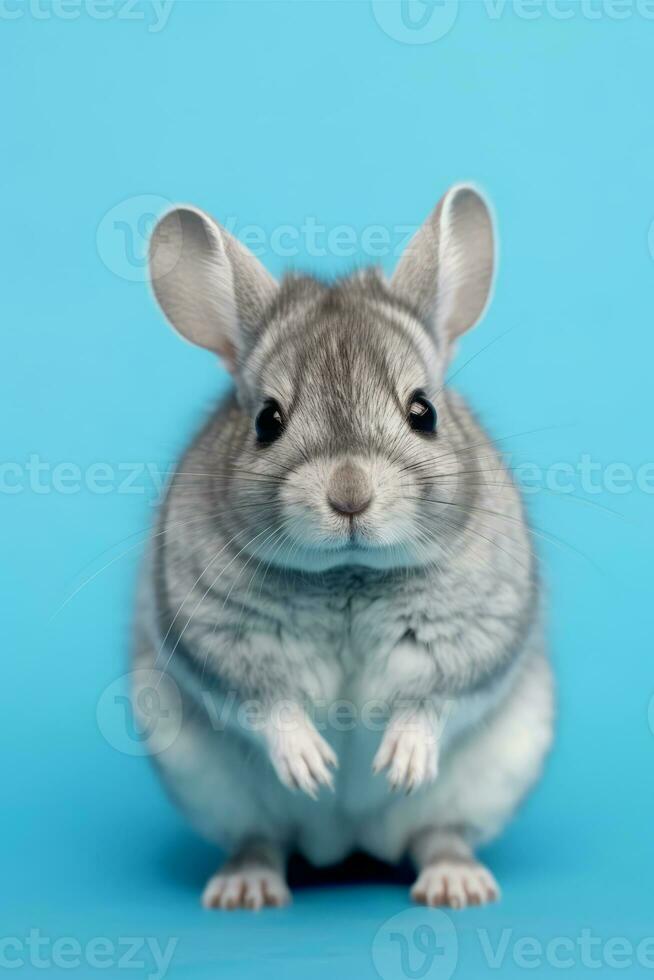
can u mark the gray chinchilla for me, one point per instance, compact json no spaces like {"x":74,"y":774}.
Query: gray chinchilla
{"x":340,"y":609}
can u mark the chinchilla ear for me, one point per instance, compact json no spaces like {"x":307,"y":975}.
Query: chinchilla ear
{"x":210,"y":287}
{"x":446,"y":272}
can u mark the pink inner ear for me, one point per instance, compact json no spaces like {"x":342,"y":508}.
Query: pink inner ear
{"x":227,"y":353}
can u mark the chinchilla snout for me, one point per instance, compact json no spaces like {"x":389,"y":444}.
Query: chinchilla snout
{"x":349,"y":490}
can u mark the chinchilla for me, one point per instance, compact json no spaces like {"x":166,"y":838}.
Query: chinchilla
{"x":338,"y":622}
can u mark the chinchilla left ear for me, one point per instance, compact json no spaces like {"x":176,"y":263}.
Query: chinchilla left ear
{"x":210,"y":287}
{"x":446,"y":272}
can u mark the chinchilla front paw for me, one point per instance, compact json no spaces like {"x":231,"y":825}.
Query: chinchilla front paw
{"x":409,"y":753}
{"x":301,"y":756}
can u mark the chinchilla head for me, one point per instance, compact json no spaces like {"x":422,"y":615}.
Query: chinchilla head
{"x":348,"y":450}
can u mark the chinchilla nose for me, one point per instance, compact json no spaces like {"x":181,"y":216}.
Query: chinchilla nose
{"x":349,"y":490}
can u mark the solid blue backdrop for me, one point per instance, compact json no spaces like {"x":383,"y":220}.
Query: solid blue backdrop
{"x":296,"y":119}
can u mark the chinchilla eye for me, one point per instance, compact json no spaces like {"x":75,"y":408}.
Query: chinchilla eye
{"x":269,"y":423}
{"x":422,"y":414}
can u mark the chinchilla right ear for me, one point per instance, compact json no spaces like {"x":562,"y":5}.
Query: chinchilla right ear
{"x":446,"y":272}
{"x":211,"y":288}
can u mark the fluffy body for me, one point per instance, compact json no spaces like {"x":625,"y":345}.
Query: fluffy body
{"x":378,"y":683}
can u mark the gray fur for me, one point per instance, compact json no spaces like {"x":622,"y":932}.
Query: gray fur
{"x":265,"y":590}
{"x":488,"y":593}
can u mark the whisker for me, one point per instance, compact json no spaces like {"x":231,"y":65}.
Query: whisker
{"x":204,"y":595}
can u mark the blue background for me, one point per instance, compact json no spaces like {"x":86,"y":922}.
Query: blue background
{"x":269,"y":113}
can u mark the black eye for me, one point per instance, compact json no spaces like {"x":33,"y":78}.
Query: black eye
{"x":269,"y":423}
{"x":422,"y":414}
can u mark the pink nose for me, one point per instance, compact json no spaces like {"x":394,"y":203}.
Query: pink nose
{"x":349,"y":491}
